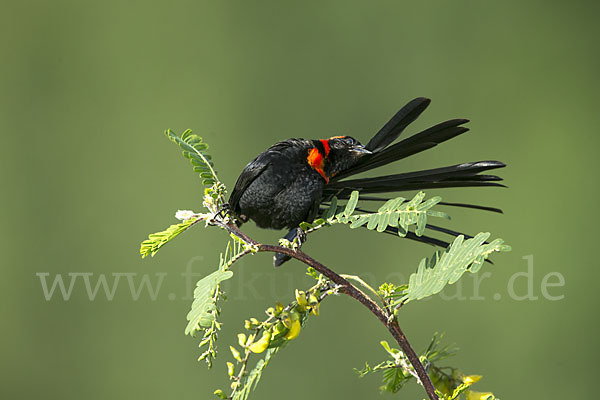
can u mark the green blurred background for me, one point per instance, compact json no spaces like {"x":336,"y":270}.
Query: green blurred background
{"x":87,"y":88}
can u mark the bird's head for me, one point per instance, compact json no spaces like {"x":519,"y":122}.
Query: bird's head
{"x":332,"y":156}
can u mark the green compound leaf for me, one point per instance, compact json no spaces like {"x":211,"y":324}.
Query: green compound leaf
{"x":447,"y":266}
{"x":204,"y":306}
{"x":195,"y":150}
{"x":157,"y":240}
{"x":394,"y":379}
{"x":250,"y":381}
{"x":396,"y":213}
{"x":207,"y":292}
{"x":204,"y":311}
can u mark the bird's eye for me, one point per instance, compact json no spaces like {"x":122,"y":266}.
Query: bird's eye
{"x":349,"y":141}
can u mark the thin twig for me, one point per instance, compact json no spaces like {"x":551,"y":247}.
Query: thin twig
{"x":346,"y":287}
{"x":365,"y":284}
{"x":389,"y":320}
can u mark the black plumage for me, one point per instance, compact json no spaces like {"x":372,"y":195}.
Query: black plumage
{"x":290,"y":181}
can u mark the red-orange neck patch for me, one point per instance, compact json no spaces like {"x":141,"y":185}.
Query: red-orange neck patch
{"x":325,"y":144}
{"x":317,"y":161}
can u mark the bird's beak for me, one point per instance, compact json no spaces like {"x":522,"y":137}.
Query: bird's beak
{"x":360,"y":150}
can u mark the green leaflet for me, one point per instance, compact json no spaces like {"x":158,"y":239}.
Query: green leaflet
{"x":156,"y":240}
{"x":393,"y":379}
{"x":446,"y":267}
{"x":395,"y":213}
{"x":204,"y":306}
{"x":206,"y":294}
{"x":195,"y":150}
{"x":251,"y":380}
{"x":351,"y":205}
{"x":332,"y":209}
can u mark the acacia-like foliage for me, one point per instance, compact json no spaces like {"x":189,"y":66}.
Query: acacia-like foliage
{"x":450,"y":383}
{"x":400,"y":213}
{"x":447,"y":266}
{"x":204,"y":307}
{"x":250,"y":380}
{"x":196,"y":151}
{"x":283,"y":324}
{"x":397,"y":213}
{"x":204,"y":311}
{"x":157,"y":240}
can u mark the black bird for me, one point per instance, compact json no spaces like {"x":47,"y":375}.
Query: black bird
{"x":292,"y":180}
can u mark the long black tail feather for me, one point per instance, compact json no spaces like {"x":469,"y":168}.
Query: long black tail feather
{"x":460,"y":175}
{"x":423,"y":239}
{"x":472,"y":206}
{"x":383,"y":153}
{"x":394,"y":127}
{"x":426,"y":239}
{"x":417,"y":143}
{"x":447,"y":231}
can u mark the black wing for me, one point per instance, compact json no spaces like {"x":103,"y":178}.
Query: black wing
{"x":248,"y":175}
{"x":259,"y":164}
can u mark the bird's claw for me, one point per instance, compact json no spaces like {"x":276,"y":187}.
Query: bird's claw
{"x":300,"y":236}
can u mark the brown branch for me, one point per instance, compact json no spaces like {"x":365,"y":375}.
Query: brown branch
{"x":389,"y":320}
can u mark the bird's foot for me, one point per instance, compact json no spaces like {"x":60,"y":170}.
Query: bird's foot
{"x":294,"y":240}
{"x":301,"y":237}
{"x":224,"y":211}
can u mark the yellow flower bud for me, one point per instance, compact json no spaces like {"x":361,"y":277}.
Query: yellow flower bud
{"x":294,"y":330}
{"x":471,"y":379}
{"x":235,"y":353}
{"x":301,"y":299}
{"x":230,"y":369}
{"x":315,"y":309}
{"x":220,"y":394}
{"x":278,"y":308}
{"x":479,"y":395}
{"x":242,"y":339}
{"x":262,"y":344}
